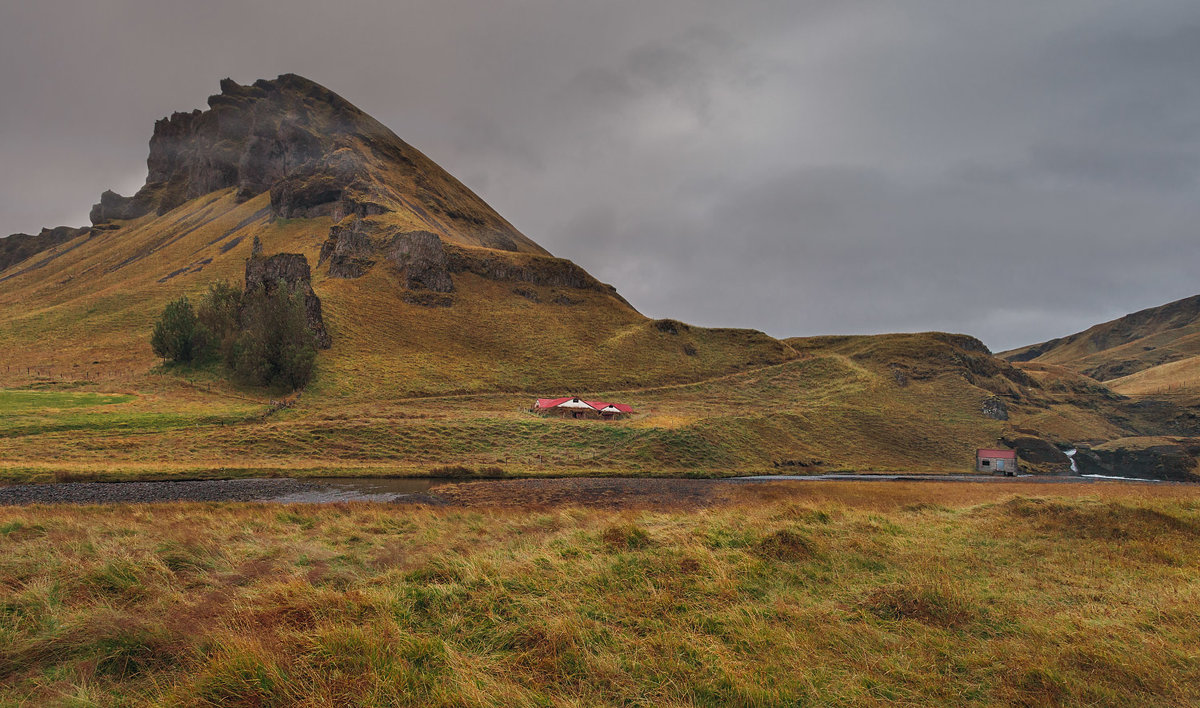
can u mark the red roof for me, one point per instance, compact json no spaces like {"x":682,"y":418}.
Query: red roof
{"x":598,"y":405}
{"x":551,"y":402}
{"x":997,"y":454}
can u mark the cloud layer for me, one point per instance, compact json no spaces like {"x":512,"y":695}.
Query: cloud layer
{"x":1015,"y":170}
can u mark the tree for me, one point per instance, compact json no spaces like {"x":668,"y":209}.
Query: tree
{"x":275,"y":347}
{"x":218,"y":319}
{"x":175,"y":335}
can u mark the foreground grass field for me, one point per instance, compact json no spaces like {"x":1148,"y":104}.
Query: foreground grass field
{"x":845,"y":594}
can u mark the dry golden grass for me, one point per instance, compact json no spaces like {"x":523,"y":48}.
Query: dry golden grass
{"x":1177,"y":378}
{"x":831,"y":594}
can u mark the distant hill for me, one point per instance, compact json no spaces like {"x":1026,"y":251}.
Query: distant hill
{"x":1156,"y":350}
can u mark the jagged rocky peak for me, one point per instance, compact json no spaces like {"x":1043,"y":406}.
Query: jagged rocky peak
{"x":251,"y":137}
{"x":316,"y":154}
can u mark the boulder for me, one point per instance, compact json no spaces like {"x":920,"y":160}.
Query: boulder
{"x":995,"y":408}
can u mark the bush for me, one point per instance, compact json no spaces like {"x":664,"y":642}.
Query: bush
{"x":262,"y":336}
{"x":218,"y":319}
{"x":275,"y":347}
{"x":176,"y":336}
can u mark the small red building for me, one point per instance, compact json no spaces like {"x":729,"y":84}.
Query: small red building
{"x":1002,"y":462}
{"x":574,"y":407}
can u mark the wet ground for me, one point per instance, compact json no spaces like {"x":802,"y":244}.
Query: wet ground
{"x":611,"y":492}
{"x":303,"y":491}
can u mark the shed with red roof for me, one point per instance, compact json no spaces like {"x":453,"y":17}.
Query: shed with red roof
{"x":996,"y":461}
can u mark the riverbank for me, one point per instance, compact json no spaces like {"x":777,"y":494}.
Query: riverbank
{"x":610,"y":492}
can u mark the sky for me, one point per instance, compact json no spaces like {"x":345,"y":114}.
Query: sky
{"x":1014,"y":170}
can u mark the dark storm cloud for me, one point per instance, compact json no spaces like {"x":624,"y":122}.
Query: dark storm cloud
{"x":1015,"y":170}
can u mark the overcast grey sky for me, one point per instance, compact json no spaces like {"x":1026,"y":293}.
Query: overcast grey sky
{"x":1012,"y":169}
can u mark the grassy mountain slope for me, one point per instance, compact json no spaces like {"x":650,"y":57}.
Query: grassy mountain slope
{"x":1127,"y":351}
{"x":86,"y":307}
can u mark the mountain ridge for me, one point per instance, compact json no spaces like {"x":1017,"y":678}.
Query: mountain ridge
{"x":1127,"y":346}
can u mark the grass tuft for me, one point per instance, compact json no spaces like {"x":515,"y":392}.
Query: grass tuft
{"x":934,"y":603}
{"x":628,"y":537}
{"x":786,"y":545}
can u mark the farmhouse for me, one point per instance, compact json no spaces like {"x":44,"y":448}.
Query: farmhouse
{"x":1003,"y":462}
{"x":574,"y":407}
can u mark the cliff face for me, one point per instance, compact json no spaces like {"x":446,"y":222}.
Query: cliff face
{"x":316,"y":154}
{"x":252,"y":137}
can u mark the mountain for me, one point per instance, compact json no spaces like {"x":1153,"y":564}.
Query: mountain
{"x":425,"y":288}
{"x":1156,"y":350}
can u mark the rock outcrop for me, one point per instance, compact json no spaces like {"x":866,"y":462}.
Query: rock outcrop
{"x":1168,"y":461}
{"x":251,"y":138}
{"x":1039,"y":456}
{"x":349,"y":250}
{"x":291,"y":270}
{"x":18,"y":247}
{"x":995,"y":408}
{"x":421,"y":261}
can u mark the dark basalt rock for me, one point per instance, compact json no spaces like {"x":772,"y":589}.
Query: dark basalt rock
{"x":565,"y":300}
{"x":292,"y":270}
{"x":421,"y":261}
{"x":1169,"y":461}
{"x":113,"y":207}
{"x":251,"y":138}
{"x":1039,"y":456}
{"x":535,"y":270}
{"x":995,"y":408}
{"x":348,"y":250}
{"x":315,"y":154}
{"x":530,"y":295}
{"x":331,"y":187}
{"x":670,"y":326}
{"x":427,"y":299}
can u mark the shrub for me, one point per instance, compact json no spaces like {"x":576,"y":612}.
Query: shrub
{"x":218,"y":319}
{"x":262,"y":336}
{"x":275,"y":347}
{"x":176,"y":336}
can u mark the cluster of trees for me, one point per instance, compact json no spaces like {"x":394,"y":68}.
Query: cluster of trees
{"x":262,"y":337}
